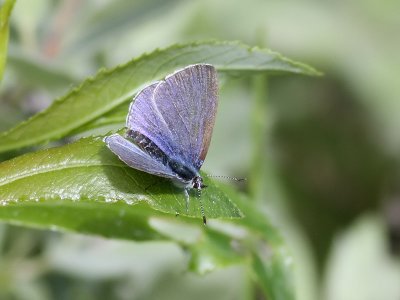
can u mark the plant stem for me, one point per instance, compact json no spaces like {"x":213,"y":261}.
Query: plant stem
{"x":260,"y":127}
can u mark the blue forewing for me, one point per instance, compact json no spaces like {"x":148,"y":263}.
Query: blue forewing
{"x":170,"y":124}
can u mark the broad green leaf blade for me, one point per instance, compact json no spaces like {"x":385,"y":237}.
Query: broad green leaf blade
{"x":5,"y":12}
{"x":82,"y":178}
{"x":109,"y":88}
{"x":115,"y":116}
{"x":113,"y":220}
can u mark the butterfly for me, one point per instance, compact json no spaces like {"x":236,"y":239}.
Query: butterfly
{"x":169,"y":127}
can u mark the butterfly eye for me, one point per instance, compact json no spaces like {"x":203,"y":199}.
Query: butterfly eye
{"x":197,"y":183}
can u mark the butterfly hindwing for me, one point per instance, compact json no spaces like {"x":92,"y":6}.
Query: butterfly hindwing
{"x":136,"y":158}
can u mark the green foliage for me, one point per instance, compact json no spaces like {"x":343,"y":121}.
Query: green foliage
{"x":86,"y":173}
{"x":318,"y":153}
{"x":110,"y":88}
{"x":83,"y":187}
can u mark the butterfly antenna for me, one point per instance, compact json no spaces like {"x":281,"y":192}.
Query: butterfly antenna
{"x":227,"y":177}
{"x":202,"y":207}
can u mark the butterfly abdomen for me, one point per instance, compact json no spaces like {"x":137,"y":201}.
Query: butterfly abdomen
{"x":184,"y":171}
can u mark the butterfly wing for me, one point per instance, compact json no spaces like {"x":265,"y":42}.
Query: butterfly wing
{"x":179,"y":116}
{"x":134,"y":157}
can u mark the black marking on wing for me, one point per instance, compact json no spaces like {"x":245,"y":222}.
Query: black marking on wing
{"x":145,"y":144}
{"x":148,"y":146}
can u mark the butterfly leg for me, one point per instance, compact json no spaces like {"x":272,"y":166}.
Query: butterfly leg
{"x":187,"y":199}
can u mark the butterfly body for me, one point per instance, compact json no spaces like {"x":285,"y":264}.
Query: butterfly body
{"x":170,"y":124}
{"x":187,"y":175}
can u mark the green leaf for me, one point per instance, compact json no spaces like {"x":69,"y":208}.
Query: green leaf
{"x":5,"y":12}
{"x":115,"y":116}
{"x":60,"y":186}
{"x":113,"y":220}
{"x":110,"y":88}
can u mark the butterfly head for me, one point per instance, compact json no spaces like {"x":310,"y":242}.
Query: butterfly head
{"x":197,"y":183}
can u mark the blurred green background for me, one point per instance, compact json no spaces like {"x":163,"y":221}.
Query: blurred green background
{"x":332,"y":143}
